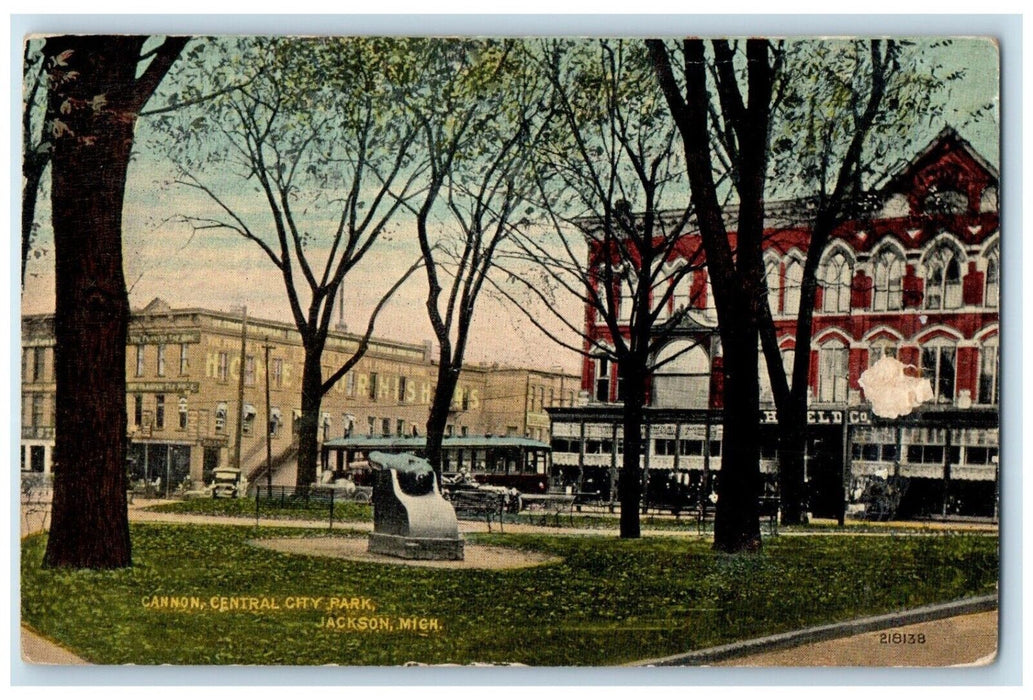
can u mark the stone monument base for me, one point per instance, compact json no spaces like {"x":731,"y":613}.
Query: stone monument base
{"x":416,"y":547}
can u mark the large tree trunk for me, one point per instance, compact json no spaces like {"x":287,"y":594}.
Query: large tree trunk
{"x":89,"y":524}
{"x":634,"y":396}
{"x":792,"y":444}
{"x":736,"y":522}
{"x":308,"y":424}
{"x":93,"y":98}
{"x":441,"y":405}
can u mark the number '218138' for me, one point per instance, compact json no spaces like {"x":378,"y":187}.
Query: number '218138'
{"x":902,"y":638}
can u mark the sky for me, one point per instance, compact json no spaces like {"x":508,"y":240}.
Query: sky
{"x":165,"y":258}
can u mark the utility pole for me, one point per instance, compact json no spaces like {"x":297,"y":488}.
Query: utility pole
{"x":238,"y":438}
{"x":269,"y":424}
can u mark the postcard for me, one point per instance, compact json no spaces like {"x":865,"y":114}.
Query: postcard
{"x":550,"y":351}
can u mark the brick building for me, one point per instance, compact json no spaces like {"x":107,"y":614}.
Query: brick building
{"x":918,"y":279}
{"x":183,"y":369}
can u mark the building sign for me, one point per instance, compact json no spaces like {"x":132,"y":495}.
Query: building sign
{"x":854,"y":416}
{"x":162,"y":387}
{"x":146,"y":338}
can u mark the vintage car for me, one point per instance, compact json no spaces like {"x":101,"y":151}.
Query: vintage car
{"x":225,"y":483}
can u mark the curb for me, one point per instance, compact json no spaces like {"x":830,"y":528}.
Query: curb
{"x":785,"y":640}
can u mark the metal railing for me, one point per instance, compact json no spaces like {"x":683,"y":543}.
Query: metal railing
{"x":301,"y":498}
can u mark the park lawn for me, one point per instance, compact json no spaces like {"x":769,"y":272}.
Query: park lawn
{"x":609,"y":601}
{"x":245,"y":508}
{"x":348,"y":511}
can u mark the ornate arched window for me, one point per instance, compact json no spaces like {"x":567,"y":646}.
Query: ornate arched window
{"x":833,"y":371}
{"x":682,"y":378}
{"x":889,"y":273}
{"x":793,"y":283}
{"x":993,"y":277}
{"x":682,"y":294}
{"x":883,"y":347}
{"x":943,"y":280}
{"x":835,"y":276}
{"x":626,"y":299}
{"x":773,"y":277}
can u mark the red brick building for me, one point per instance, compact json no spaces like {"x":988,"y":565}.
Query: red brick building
{"x":917,"y":277}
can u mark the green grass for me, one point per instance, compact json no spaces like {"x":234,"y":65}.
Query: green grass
{"x":608,"y":602}
{"x":245,"y":508}
{"x":349,"y":511}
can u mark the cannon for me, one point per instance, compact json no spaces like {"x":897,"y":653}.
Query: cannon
{"x":411,"y":520}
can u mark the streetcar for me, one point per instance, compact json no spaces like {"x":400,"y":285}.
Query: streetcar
{"x":511,"y":462}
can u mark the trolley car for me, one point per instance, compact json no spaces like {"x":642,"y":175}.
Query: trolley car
{"x":513,"y":462}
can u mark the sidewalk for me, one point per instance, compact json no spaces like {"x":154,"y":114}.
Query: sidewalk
{"x":965,"y":640}
{"x":37,"y":650}
{"x":958,"y":633}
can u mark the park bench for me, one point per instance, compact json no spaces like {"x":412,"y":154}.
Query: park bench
{"x":477,"y":504}
{"x":549,"y":505}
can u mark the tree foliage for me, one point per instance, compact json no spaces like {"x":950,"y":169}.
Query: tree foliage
{"x":313,"y":141}
{"x":610,"y":210}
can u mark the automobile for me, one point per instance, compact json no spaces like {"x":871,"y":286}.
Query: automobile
{"x":225,"y":483}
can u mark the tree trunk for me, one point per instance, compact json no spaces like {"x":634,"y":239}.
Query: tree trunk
{"x":308,"y":424}
{"x":440,"y":407}
{"x":630,"y":486}
{"x":736,"y":522}
{"x":89,"y":523}
{"x":792,"y":441}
